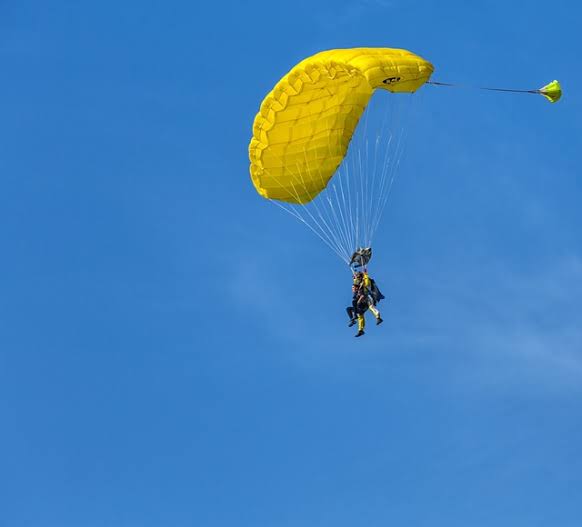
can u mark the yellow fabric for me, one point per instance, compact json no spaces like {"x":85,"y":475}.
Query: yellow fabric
{"x":361,"y":322}
{"x":362,"y":318}
{"x":367,"y":283}
{"x":552,"y":91}
{"x":305,"y":124}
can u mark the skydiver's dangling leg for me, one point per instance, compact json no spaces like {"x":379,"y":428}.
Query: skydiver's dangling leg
{"x":361,"y":324}
{"x":352,"y":315}
{"x":376,"y":313}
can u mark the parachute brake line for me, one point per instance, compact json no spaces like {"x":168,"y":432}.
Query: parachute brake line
{"x":552,"y":91}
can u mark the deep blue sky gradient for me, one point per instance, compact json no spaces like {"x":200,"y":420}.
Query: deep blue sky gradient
{"x":173,"y":349}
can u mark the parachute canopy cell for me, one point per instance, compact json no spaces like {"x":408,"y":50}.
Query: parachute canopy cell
{"x":305,"y":124}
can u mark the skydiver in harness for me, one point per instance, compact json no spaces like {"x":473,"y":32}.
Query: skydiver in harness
{"x":366,"y":294}
{"x":359,"y":301}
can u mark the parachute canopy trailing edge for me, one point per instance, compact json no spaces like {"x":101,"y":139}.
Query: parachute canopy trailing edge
{"x":304,"y":127}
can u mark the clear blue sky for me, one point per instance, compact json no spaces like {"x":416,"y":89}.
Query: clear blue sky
{"x":173,"y":349}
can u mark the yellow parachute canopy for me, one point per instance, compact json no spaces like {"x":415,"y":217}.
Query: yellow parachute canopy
{"x":551,"y":91}
{"x":305,"y":124}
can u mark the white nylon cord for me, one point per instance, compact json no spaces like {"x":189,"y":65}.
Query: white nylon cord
{"x":347,"y":213}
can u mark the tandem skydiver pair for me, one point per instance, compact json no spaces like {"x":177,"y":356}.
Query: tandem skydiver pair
{"x":365,"y":293}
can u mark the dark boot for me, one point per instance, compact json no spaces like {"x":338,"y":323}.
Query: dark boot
{"x":359,"y":333}
{"x":379,"y":321}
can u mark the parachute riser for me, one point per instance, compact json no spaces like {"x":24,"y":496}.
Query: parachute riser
{"x":360,"y":258}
